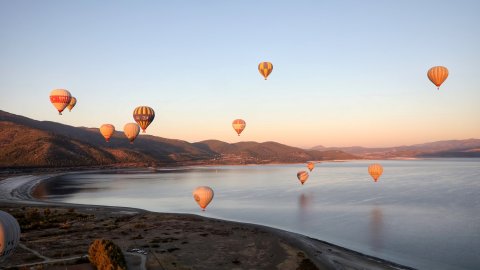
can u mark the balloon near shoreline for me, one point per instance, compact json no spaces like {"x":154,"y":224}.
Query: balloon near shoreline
{"x":9,"y":235}
{"x":60,"y":98}
{"x":107,"y":131}
{"x":203,"y":195}
{"x":375,"y":170}
{"x":265,"y":68}
{"x":437,"y":75}
{"x":239,"y":125}
{"x":310,"y":166}
{"x":144,"y":116}
{"x":131,"y":131}
{"x":302,"y":176}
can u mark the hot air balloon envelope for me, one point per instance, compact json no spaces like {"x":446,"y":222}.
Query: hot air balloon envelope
{"x":60,"y":98}
{"x":375,"y":170}
{"x":144,"y":116}
{"x":203,"y":196}
{"x":238,"y":125}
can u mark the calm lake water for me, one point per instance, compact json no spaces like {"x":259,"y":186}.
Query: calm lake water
{"x":421,"y":213}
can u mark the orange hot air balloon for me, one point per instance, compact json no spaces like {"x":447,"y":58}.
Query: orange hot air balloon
{"x":437,"y":75}
{"x":238,"y":125}
{"x":9,"y":235}
{"x":375,"y":170}
{"x":60,"y":98}
{"x":107,"y":131}
{"x":310,"y":166}
{"x":72,"y":103}
{"x":131,"y":130}
{"x":144,"y":116}
{"x":203,"y":196}
{"x":265,"y":68}
{"x":302,"y":176}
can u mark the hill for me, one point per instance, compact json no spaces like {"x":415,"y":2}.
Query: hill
{"x":449,"y":148}
{"x":26,"y":142}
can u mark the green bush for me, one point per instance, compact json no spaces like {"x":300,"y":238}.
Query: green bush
{"x":105,"y":255}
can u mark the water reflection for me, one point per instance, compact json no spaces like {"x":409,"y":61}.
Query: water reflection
{"x":376,"y":228}
{"x":305,"y":202}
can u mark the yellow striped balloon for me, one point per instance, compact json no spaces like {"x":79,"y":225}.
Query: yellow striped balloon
{"x":131,"y":130}
{"x":238,"y":125}
{"x":375,"y":170}
{"x":60,"y":98}
{"x":437,"y":75}
{"x":144,"y":116}
{"x":302,"y":176}
{"x":203,"y":196}
{"x":265,"y":68}
{"x":107,"y":131}
{"x":73,"y":102}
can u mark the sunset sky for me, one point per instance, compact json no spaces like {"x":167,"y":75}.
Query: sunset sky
{"x":345,"y":72}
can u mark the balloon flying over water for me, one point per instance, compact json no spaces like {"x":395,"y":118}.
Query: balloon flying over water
{"x":302,"y":176}
{"x":9,"y":235}
{"x":375,"y":170}
{"x":107,"y":131}
{"x":437,"y":75}
{"x":60,"y":98}
{"x":73,"y":102}
{"x":203,"y":196}
{"x":144,"y":116}
{"x":265,"y":68}
{"x":310,"y":166}
{"x":131,"y":130}
{"x":238,"y":125}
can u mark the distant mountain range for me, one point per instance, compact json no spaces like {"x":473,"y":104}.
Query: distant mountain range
{"x":28,"y":143}
{"x":450,"y":148}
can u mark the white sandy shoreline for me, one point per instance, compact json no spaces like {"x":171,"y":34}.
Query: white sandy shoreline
{"x":19,"y":189}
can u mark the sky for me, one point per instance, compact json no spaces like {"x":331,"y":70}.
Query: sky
{"x":345,"y":73}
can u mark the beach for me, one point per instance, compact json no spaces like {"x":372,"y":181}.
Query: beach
{"x":166,"y":241}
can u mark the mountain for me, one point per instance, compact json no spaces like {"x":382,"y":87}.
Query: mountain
{"x":450,"y":148}
{"x":25,"y":142}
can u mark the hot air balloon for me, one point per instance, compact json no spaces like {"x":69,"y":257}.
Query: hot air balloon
{"x":302,"y":176}
{"x":107,"y":131}
{"x":203,"y":196}
{"x":9,"y":235}
{"x":72,"y":103}
{"x":310,"y":166}
{"x":131,"y":130}
{"x":238,"y":125}
{"x":375,"y":170}
{"x":60,"y":98}
{"x":437,"y":75}
{"x":265,"y":69}
{"x":143,"y":115}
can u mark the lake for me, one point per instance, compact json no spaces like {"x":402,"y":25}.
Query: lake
{"x":421,"y":213}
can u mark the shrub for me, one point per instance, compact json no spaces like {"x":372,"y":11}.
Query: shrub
{"x":105,"y":255}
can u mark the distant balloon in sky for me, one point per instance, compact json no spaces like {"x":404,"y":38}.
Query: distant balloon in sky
{"x":437,"y":75}
{"x":107,"y":131}
{"x":310,"y":166}
{"x":143,"y":115}
{"x":9,"y":235}
{"x":265,"y":69}
{"x":60,"y":98}
{"x":131,"y":130}
{"x":238,"y":125}
{"x":302,"y":176}
{"x":375,"y":170}
{"x":72,"y":103}
{"x":203,"y":196}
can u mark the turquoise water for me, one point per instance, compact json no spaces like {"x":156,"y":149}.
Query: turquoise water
{"x":421,"y":213}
